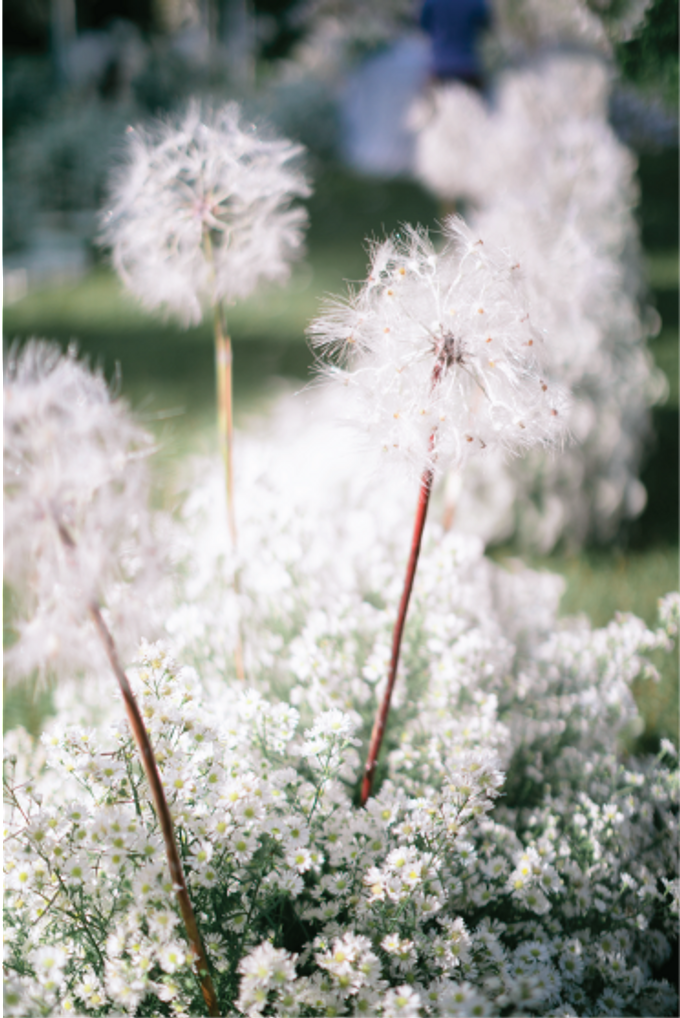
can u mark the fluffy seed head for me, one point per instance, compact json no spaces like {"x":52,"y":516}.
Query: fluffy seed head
{"x":439,"y":354}
{"x":201,"y":211}
{"x":74,"y":471}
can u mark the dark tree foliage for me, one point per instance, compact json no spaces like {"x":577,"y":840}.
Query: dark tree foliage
{"x":651,"y":59}
{"x":26,"y":23}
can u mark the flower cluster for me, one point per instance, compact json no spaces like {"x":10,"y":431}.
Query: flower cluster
{"x":440,"y":354}
{"x":511,"y":861}
{"x":202,"y":211}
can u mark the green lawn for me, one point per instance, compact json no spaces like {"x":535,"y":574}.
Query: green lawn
{"x":167,"y":374}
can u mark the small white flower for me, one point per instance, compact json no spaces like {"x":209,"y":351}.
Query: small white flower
{"x":265,"y":968}
{"x":300,"y":859}
{"x":146,"y":882}
{"x":162,"y":922}
{"x":296,"y":832}
{"x":669,"y":749}
{"x":402,"y":1001}
{"x":77,"y":871}
{"x":21,"y":876}
{"x":171,"y":957}
{"x":49,"y":962}
{"x":243,"y":846}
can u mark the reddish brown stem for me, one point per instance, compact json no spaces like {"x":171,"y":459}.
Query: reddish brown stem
{"x":146,"y":753}
{"x":150,"y":766}
{"x":381,"y":716}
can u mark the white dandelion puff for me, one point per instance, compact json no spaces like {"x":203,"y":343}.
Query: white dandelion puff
{"x":201,"y":212}
{"x":441,"y":360}
{"x":75,"y":461}
{"x":440,"y":354}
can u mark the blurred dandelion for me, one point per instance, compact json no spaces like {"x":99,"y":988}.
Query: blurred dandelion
{"x":545,"y":173}
{"x":441,"y":361}
{"x":74,"y":461}
{"x":76,"y":528}
{"x":201,"y":214}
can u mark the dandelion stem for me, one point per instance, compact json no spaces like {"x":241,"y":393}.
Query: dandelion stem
{"x":383,"y":711}
{"x":225,"y":410}
{"x":225,"y":423}
{"x":162,"y":811}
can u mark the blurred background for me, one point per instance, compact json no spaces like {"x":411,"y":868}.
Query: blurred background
{"x":338,"y":76}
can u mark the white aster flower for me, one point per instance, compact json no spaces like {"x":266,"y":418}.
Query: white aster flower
{"x":330,"y":734}
{"x":202,"y":211}
{"x":299,"y":859}
{"x":464,"y":1000}
{"x":162,"y":923}
{"x":49,"y":962}
{"x":123,"y":987}
{"x":610,"y":1003}
{"x":14,"y":999}
{"x":77,"y":871}
{"x":172,"y":956}
{"x":402,"y":1001}
{"x":21,"y":876}
{"x":265,"y":968}
{"x":243,"y":846}
{"x":296,"y":833}
{"x":146,"y":882}
{"x":440,"y":353}
{"x":534,"y":899}
{"x":89,"y":988}
{"x":669,"y":617}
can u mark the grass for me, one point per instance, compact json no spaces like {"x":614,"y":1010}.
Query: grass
{"x":167,"y":373}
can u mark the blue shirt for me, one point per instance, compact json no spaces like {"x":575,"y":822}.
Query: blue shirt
{"x":454,"y":26}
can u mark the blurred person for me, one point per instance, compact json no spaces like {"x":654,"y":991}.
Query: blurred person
{"x":454,"y":27}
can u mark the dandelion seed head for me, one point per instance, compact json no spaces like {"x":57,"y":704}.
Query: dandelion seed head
{"x":76,"y":526}
{"x":201,"y":211}
{"x":425,"y":389}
